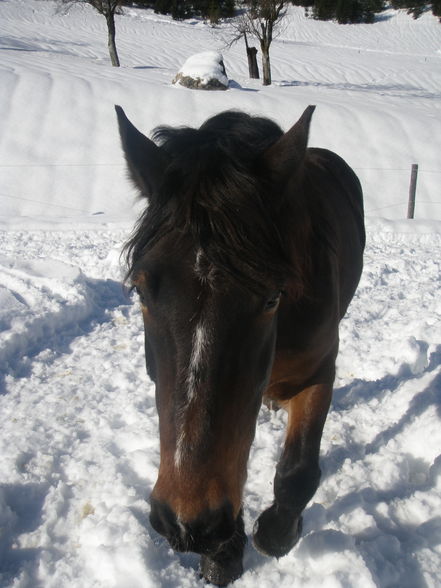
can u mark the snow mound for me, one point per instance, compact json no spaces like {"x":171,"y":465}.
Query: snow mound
{"x":203,"y":71}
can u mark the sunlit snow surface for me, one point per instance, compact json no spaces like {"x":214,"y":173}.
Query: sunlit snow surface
{"x":78,"y":425}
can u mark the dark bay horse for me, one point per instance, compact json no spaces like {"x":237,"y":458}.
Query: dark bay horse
{"x":245,"y":260}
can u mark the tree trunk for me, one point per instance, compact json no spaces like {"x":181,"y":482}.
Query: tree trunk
{"x":253,"y":68}
{"x":266,"y":66}
{"x":110,"y":18}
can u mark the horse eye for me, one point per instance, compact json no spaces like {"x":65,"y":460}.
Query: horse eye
{"x":272,"y":302}
{"x":140,"y":294}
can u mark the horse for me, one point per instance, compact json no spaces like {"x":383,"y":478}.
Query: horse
{"x":245,"y":260}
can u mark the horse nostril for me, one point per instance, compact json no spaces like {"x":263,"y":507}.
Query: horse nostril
{"x":166,"y":523}
{"x":162,"y":518}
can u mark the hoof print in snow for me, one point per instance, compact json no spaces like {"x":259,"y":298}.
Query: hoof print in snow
{"x":203,"y":71}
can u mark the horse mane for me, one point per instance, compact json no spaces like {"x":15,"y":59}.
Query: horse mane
{"x":216,"y":190}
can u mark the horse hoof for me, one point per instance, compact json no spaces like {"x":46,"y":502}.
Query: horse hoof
{"x":276,"y":531}
{"x":220,"y":573}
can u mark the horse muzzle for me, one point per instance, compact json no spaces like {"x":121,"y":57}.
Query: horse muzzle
{"x":206,"y":534}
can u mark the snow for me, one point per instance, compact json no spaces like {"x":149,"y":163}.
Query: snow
{"x":78,"y":442}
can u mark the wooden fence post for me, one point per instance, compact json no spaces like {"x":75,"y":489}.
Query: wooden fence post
{"x":412,"y":191}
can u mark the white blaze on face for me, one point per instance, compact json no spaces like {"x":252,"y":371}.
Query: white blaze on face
{"x":198,"y":359}
{"x":200,"y":343}
{"x":200,"y":347}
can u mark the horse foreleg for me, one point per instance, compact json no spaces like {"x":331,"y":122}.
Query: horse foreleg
{"x":279,"y":527}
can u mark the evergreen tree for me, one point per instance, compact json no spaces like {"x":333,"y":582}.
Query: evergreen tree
{"x":324,"y":9}
{"x":414,"y":7}
{"x":179,"y":9}
{"x":345,"y":11}
{"x":228,"y":8}
{"x":348,"y":11}
{"x":304,"y":3}
{"x":163,"y":6}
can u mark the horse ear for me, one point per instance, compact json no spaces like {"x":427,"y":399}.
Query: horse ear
{"x":144,"y":158}
{"x":288,"y":152}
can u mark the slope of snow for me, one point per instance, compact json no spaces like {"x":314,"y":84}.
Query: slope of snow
{"x":377,"y":88}
{"x":78,"y":442}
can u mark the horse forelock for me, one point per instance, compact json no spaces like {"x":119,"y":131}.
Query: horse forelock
{"x":215,"y":191}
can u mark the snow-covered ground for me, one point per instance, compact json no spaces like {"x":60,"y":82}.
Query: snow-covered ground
{"x":78,"y":425}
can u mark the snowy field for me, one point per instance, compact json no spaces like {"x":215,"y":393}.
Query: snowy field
{"x":78,"y":425}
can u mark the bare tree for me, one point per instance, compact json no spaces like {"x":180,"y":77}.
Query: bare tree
{"x":108,"y":9}
{"x":241,"y":29}
{"x":261,"y":20}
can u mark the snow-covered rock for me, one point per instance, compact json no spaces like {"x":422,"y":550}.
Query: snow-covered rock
{"x":203,"y":71}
